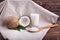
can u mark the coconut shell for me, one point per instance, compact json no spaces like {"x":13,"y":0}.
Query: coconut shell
{"x":11,"y":22}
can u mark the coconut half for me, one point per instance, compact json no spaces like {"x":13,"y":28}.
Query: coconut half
{"x":24,"y":21}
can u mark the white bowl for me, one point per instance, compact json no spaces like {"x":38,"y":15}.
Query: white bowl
{"x":24,"y":21}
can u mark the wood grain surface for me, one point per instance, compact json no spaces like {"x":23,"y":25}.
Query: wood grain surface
{"x":53,"y":6}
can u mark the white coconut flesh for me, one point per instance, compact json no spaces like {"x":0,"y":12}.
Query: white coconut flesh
{"x":24,"y":21}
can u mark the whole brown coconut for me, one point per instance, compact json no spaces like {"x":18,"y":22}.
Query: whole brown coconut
{"x":11,"y":22}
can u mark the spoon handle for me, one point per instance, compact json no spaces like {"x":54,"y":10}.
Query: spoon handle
{"x":48,"y":26}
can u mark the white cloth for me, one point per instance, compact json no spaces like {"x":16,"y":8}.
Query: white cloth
{"x":19,"y":8}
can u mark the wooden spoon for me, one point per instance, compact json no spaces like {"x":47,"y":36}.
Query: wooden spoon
{"x":42,"y":28}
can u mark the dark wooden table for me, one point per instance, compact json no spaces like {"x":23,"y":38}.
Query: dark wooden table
{"x":53,"y":6}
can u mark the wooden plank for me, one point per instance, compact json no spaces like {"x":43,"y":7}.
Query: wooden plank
{"x":54,"y":6}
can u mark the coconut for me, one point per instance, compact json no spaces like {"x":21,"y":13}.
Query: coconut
{"x":11,"y":22}
{"x":24,"y":21}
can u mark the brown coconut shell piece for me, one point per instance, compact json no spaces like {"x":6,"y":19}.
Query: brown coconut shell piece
{"x":11,"y":22}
